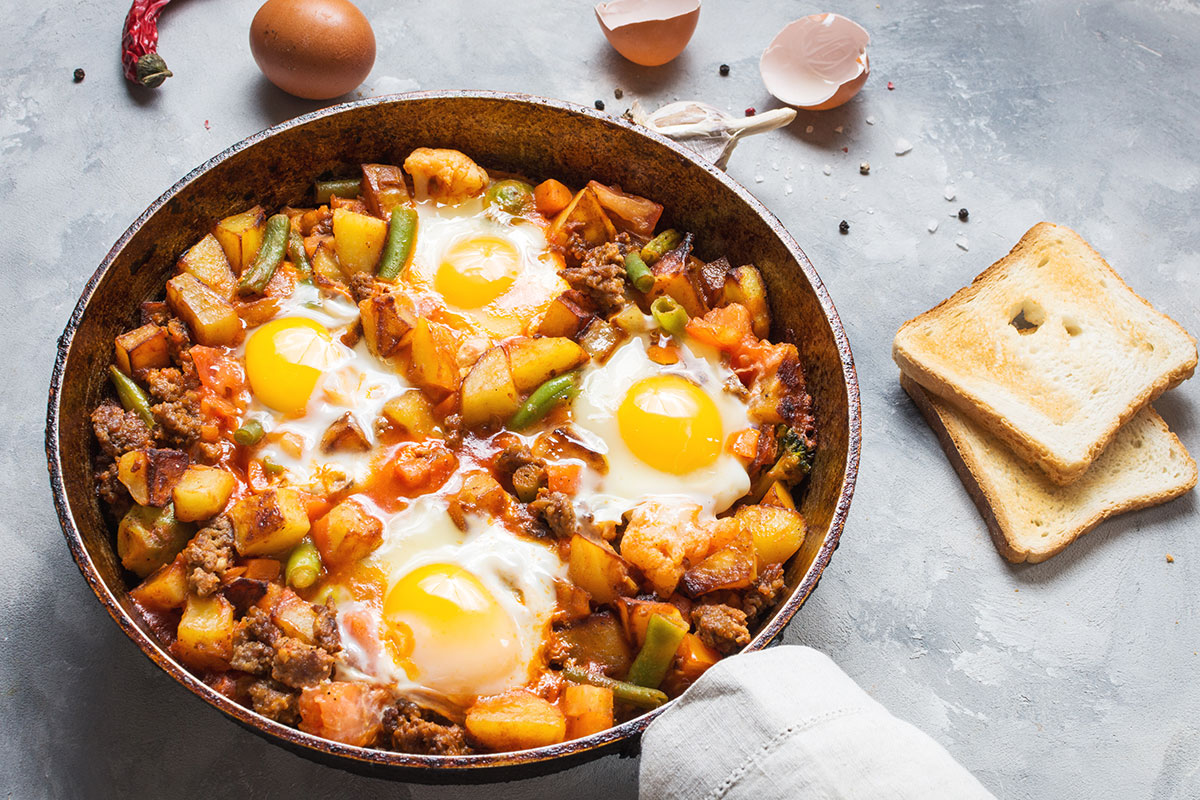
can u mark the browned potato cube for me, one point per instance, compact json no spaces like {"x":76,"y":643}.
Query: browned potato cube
{"x":675,"y":278}
{"x":566,"y":315}
{"x":384,"y":188}
{"x":778,"y":495}
{"x":636,"y":614}
{"x":325,"y":263}
{"x":164,"y":469}
{"x":600,"y":339}
{"x":269,"y":523}
{"x":745,"y":285}
{"x":345,"y":435}
{"x":202,"y":492}
{"x":585,"y":216}
{"x":358,"y":240}
{"x":384,"y":324}
{"x":598,"y":569}
{"x":412,"y":414}
{"x":133,"y":471}
{"x":209,"y":264}
{"x":712,"y":281}
{"x":517,"y":720}
{"x":141,"y":349}
{"x":346,"y":534}
{"x":734,"y":566}
{"x":166,"y":588}
{"x":598,"y":641}
{"x":205,"y":633}
{"x":241,"y":235}
{"x":295,"y":616}
{"x":434,"y":349}
{"x":488,"y":391}
{"x":777,"y":532}
{"x":533,"y":361}
{"x":588,"y":709}
{"x":213,"y":320}
{"x":149,"y":537}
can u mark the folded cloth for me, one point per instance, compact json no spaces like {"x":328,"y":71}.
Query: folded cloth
{"x":786,"y":722}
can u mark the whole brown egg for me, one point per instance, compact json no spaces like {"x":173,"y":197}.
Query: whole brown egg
{"x":316,"y":49}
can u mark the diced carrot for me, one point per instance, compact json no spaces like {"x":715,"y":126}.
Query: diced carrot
{"x":563,"y":477}
{"x":589,"y":709}
{"x":262,"y":569}
{"x":551,"y":197}
{"x":315,"y":506}
{"x":743,"y":443}
{"x":256,"y":477}
{"x":663,"y":355}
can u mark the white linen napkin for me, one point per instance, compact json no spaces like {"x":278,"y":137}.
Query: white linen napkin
{"x":786,"y":722}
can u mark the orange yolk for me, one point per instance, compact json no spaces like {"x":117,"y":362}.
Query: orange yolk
{"x":671,"y":424}
{"x":284,"y":360}
{"x":476,"y":271}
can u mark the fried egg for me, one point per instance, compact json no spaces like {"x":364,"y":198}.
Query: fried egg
{"x":663,"y":429}
{"x":462,"y":613}
{"x":488,"y":276}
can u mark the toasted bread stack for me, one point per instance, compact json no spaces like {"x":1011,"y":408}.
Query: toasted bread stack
{"x":1038,"y":379}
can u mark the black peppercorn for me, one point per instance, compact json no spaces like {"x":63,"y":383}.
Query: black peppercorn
{"x":843,"y":227}
{"x":618,"y":93}
{"x":963,"y":214}
{"x":79,"y":74}
{"x":599,"y":105}
{"x":724,"y":70}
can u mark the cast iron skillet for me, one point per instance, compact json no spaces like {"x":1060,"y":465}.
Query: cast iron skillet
{"x":530,"y":135}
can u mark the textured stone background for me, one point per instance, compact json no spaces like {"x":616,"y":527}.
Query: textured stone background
{"x":1073,"y":679}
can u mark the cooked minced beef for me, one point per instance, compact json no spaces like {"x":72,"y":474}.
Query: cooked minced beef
{"x":600,"y":276}
{"x":119,"y":431}
{"x":297,"y":664}
{"x":721,"y":627}
{"x":274,"y":701}
{"x":556,"y":509}
{"x":765,"y":590}
{"x":208,"y":555}
{"x":413,"y":730}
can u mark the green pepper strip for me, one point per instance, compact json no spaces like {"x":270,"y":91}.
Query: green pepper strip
{"x":639,"y":274}
{"x":662,"y":640}
{"x":297,"y":254}
{"x":544,"y":398}
{"x":303,"y":565}
{"x":402,"y":235}
{"x":660,"y":245}
{"x":669,"y":315}
{"x":271,"y":468}
{"x":269,"y":257}
{"x":249,"y":434}
{"x":342,"y":187}
{"x":625,"y":692}
{"x":132,"y":397}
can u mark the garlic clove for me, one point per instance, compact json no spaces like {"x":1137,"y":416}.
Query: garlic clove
{"x":706,"y":129}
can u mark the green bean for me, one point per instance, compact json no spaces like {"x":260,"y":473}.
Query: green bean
{"x":271,"y":468}
{"x":624,"y":691}
{"x":269,"y":257}
{"x":297,"y":254}
{"x":342,"y":187}
{"x":544,"y":398}
{"x":662,"y":640}
{"x":402,"y":235}
{"x":512,"y":197}
{"x":637,"y":271}
{"x":249,"y":434}
{"x":669,"y":315}
{"x":303,"y":565}
{"x":132,"y":397}
{"x":660,"y":245}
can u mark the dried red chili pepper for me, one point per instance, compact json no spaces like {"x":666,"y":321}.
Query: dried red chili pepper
{"x":139,"y":42}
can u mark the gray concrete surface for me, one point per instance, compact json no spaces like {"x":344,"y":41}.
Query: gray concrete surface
{"x":1073,"y":679}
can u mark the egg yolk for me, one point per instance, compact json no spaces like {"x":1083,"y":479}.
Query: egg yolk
{"x":477,"y":270}
{"x":671,"y":424}
{"x":451,"y":631}
{"x":284,"y":360}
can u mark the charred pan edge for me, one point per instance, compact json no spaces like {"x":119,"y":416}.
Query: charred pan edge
{"x":622,"y":739}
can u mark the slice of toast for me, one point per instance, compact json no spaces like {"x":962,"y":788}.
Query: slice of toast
{"x":1049,"y":349}
{"x":1030,"y":517}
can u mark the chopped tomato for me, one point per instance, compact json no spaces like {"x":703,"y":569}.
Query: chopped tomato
{"x":315,"y":505}
{"x":725,"y":327}
{"x":563,"y":477}
{"x":351,"y":713}
{"x":423,"y":467}
{"x":218,"y":372}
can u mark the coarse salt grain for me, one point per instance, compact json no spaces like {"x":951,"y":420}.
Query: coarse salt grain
{"x":903,"y":146}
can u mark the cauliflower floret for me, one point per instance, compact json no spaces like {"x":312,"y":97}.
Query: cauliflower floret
{"x":664,"y":540}
{"x":446,"y":176}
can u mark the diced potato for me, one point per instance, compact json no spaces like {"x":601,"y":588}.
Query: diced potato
{"x":551,"y":196}
{"x":166,"y":588}
{"x":344,"y":435}
{"x":269,"y":523}
{"x":712,"y":280}
{"x":584,"y":216}
{"x":212,"y":320}
{"x":674,"y":278}
{"x":481,"y":492}
{"x":777,"y":532}
{"x":745,"y":285}
{"x":358,"y":240}
{"x":517,"y":720}
{"x":132,"y":470}
{"x":346,"y":534}
{"x":733,"y":566}
{"x":205,"y":633}
{"x":778,"y":495}
{"x":598,"y":641}
{"x":629,"y":212}
{"x":295,"y":616}
{"x":202,"y":492}
{"x":561,"y":443}
{"x":636,"y":614}
{"x":149,"y":537}
{"x":588,"y":709}
{"x":533,"y":361}
{"x":488,"y":391}
{"x":600,"y":339}
{"x":151,"y":475}
{"x":573,"y":603}
{"x":384,"y":188}
{"x":241,"y":235}
{"x":434,"y":350}
{"x":565,"y":316}
{"x":412,"y":414}
{"x":325,"y":262}
{"x":209,"y":264}
{"x":349,"y":712}
{"x":142,"y":349}
{"x":385,"y":324}
{"x":598,"y":569}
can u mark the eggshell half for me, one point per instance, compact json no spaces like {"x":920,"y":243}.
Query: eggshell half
{"x":648,"y":32}
{"x":817,"y":62}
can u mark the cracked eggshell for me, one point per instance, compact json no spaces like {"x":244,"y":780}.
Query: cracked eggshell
{"x":817,"y":62}
{"x":648,"y":32}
